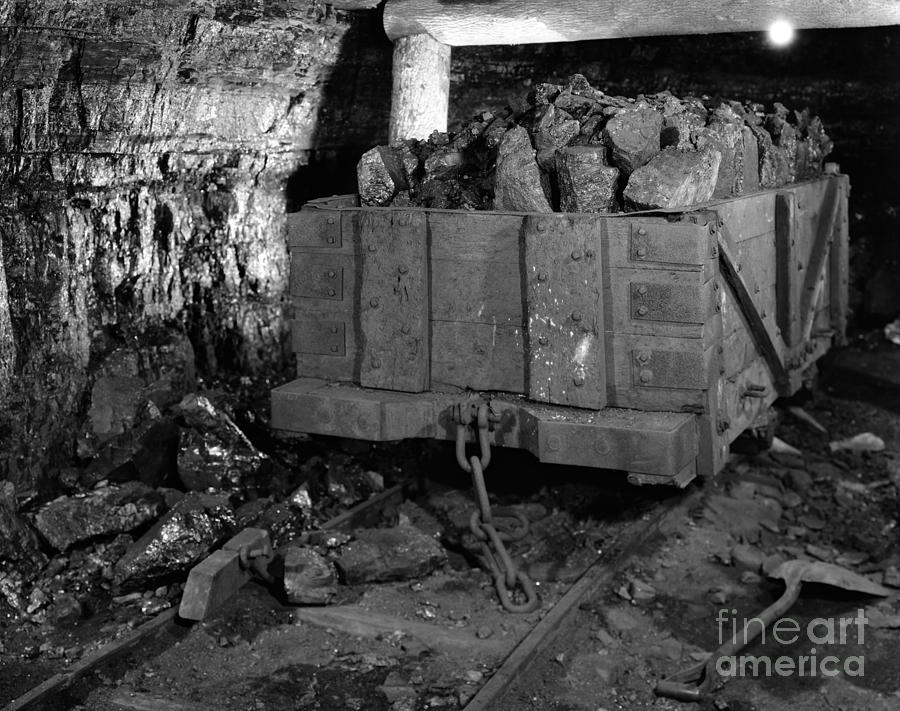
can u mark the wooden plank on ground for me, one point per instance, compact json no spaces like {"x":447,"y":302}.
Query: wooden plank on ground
{"x":566,"y":342}
{"x":394,"y":301}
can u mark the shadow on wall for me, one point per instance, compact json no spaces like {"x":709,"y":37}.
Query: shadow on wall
{"x":353,"y":111}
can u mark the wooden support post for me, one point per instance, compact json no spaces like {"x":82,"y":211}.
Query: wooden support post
{"x":420,"y":97}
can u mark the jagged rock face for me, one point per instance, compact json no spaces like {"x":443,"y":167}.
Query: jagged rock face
{"x":144,"y":152}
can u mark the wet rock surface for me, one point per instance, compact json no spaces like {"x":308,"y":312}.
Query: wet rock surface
{"x":111,"y":509}
{"x":532,"y":155}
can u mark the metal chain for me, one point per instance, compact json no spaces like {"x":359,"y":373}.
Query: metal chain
{"x":507,"y":577}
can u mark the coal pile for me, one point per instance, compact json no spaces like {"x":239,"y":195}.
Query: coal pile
{"x":573,"y":148}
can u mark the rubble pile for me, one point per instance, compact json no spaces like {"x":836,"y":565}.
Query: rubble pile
{"x":167,"y":471}
{"x":573,"y":148}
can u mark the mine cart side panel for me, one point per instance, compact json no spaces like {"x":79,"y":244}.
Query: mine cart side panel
{"x":790,"y":250}
{"x":578,"y":310}
{"x":711,"y":314}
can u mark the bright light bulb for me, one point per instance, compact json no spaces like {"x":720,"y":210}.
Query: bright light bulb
{"x":781,"y":33}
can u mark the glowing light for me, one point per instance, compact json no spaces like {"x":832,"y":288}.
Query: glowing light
{"x":781,"y":33}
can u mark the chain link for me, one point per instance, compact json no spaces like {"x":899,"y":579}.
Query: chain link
{"x":507,"y":577}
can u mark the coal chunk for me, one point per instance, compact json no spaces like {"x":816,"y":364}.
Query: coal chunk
{"x":284,"y":522}
{"x":774,"y":169}
{"x":586,"y":182}
{"x":674,"y":179}
{"x":214,"y":452}
{"x":180,"y":539}
{"x":750,"y":168}
{"x":633,"y":136}
{"x":309,"y":579}
{"x":68,"y":520}
{"x":517,"y":181}
{"x":553,"y":129}
{"x":383,"y":554}
{"x":381,"y":175}
{"x":682,"y":120}
{"x":724,"y":133}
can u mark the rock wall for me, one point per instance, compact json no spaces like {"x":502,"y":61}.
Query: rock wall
{"x":148,"y":153}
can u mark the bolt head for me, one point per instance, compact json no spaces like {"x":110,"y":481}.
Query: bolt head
{"x":646,"y":376}
{"x":373,"y":303}
{"x":578,"y":380}
{"x":376,"y":363}
{"x":576,"y":255}
{"x":334,"y":349}
{"x":542,"y":276}
{"x":403,"y":269}
{"x":405,"y":330}
{"x":330,"y":240}
{"x":641,"y":252}
{"x":554,"y":443}
{"x":541,"y":225}
{"x":543,"y":340}
{"x":334,"y":329}
{"x":332,"y":274}
{"x":372,"y":247}
{"x":644,"y":357}
{"x":642,"y":231}
{"x":330,"y":220}
{"x":642,"y":310}
{"x":332,"y":292}
{"x":589,"y":253}
{"x":642,"y":290}
{"x":576,"y":316}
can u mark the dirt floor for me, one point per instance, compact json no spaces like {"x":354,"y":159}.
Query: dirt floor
{"x":433,"y":642}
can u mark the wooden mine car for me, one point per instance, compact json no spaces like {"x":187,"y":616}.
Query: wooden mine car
{"x":643,"y":342}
